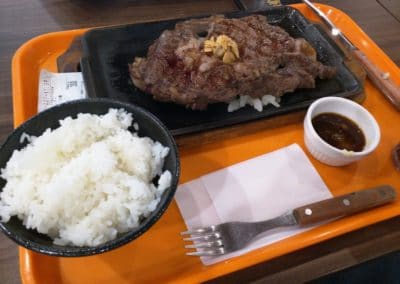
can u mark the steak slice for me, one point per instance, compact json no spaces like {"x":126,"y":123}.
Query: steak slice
{"x":177,"y":69}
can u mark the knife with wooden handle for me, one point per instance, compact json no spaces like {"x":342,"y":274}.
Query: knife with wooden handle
{"x":344,"y":205}
{"x":380,"y":79}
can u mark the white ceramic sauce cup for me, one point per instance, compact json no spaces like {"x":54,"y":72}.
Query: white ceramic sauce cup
{"x":328,"y":154}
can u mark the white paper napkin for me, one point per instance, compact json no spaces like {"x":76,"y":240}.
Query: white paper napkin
{"x":257,"y":189}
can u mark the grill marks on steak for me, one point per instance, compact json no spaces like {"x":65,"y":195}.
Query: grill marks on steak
{"x":177,"y":69}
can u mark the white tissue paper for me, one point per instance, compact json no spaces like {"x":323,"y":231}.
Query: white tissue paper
{"x":257,"y":189}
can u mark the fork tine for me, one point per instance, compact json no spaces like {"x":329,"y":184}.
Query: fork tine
{"x":218,"y":251}
{"x":199,"y":231}
{"x":207,"y":237}
{"x":217,"y":243}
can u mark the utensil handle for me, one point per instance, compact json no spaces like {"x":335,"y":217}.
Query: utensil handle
{"x":344,"y":205}
{"x":384,"y":84}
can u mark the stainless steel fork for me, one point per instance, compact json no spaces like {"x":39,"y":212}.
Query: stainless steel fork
{"x":228,"y":237}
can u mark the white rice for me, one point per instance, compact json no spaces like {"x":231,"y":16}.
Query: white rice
{"x":27,"y":137}
{"x":85,"y":181}
{"x":257,"y":103}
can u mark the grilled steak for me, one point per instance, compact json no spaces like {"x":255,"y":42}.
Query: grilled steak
{"x":179,"y":69}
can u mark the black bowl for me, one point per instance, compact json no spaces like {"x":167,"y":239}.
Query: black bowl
{"x":149,"y":126}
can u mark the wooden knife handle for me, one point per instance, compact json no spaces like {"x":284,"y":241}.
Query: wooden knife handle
{"x":344,"y":205}
{"x":385,"y":85}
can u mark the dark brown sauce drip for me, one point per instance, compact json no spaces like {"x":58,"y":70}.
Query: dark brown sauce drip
{"x":396,"y":156}
{"x":339,"y":131}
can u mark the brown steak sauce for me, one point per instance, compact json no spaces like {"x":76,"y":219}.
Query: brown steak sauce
{"x":339,"y":131}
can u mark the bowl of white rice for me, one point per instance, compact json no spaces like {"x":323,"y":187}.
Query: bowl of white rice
{"x":86,"y":177}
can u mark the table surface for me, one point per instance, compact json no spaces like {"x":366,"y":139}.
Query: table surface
{"x":21,"y":20}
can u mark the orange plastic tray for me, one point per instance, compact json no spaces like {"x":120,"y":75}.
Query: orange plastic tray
{"x":159,"y":256}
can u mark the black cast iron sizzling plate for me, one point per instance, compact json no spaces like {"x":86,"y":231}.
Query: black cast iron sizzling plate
{"x":107,"y":52}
